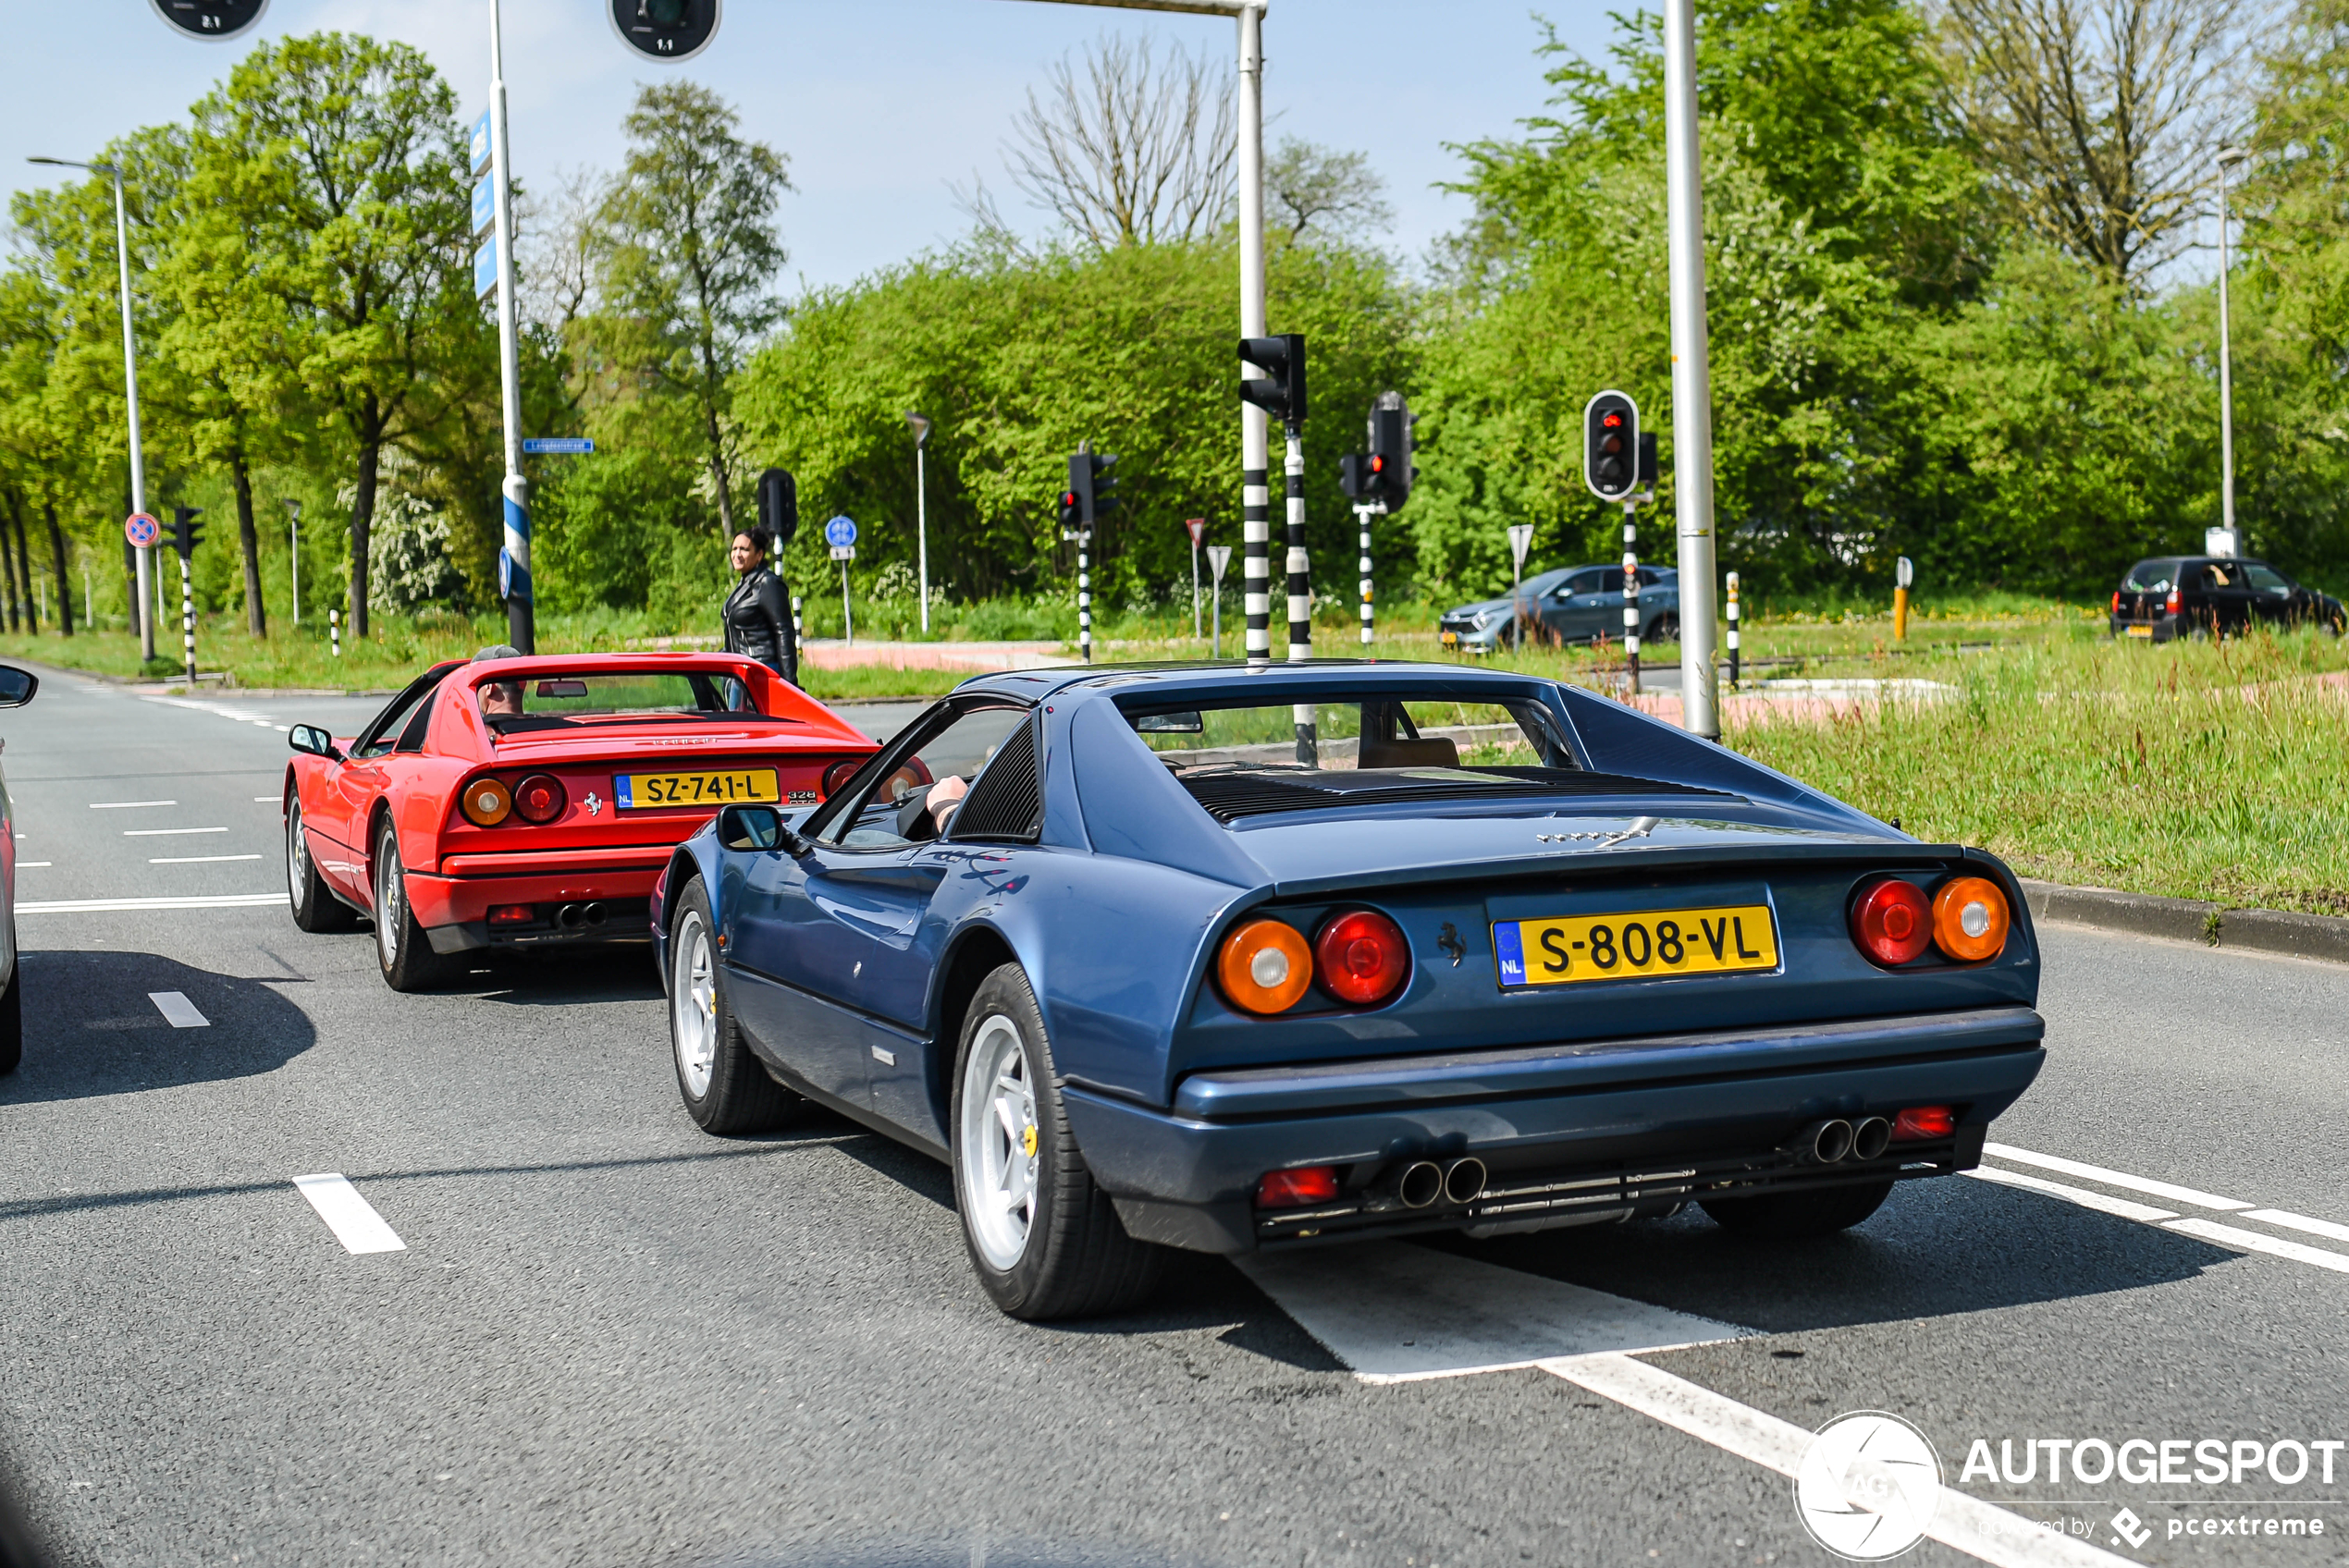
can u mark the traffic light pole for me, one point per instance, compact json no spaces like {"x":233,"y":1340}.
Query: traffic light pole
{"x":522,"y":628}
{"x":1632,"y":591}
{"x":188,"y":622}
{"x":1691,"y":371}
{"x":1363,"y":513}
{"x":1256,"y":496}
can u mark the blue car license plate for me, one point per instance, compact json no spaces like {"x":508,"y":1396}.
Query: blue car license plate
{"x":1666,"y":944}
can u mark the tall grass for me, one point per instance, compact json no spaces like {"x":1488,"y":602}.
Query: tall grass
{"x":2202,"y":770}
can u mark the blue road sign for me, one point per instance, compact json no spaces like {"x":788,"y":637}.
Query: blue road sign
{"x":839,"y":533}
{"x":485,"y":205}
{"x":558,"y":446}
{"x":481,"y":143}
{"x":141,"y":530}
{"x":485,"y":269}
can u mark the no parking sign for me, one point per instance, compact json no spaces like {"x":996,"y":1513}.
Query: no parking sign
{"x":141,"y":530}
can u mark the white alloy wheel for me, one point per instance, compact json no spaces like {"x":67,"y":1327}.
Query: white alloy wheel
{"x":693,"y":1006}
{"x":999,"y":1142}
{"x":390,"y":908}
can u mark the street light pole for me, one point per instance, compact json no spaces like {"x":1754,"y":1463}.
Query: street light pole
{"x":521,"y":615}
{"x":2226,"y":368}
{"x":293,"y":544}
{"x":130,"y":392}
{"x":1691,"y":371}
{"x":921,"y":510}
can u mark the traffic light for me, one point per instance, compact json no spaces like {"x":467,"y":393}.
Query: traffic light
{"x":213,"y":20}
{"x":1647,"y":461}
{"x":1354,"y":477}
{"x":665,"y":30}
{"x":1280,"y":392}
{"x":1610,"y":446}
{"x":185,"y":532}
{"x":778,"y":505}
{"x":1091,"y":487}
{"x":1390,"y":456}
{"x":1071,"y":511}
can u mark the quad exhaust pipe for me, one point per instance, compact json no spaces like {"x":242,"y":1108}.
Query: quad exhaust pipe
{"x":1458,"y":1182}
{"x":1834,"y":1141}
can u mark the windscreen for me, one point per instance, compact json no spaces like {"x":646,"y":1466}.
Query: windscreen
{"x":559,"y":700}
{"x":1366,"y":731}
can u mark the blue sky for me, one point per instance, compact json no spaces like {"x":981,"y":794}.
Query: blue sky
{"x":879,"y":103}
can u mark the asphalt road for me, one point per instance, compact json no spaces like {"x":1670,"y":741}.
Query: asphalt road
{"x":610,"y":1339}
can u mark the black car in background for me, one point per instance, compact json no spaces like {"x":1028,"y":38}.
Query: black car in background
{"x":2187,"y":596}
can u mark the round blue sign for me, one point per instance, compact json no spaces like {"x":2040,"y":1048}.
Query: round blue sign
{"x":839,"y":533}
{"x":141,"y":530}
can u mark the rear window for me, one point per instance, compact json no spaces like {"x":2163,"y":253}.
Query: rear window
{"x":542,"y":701}
{"x":2151,"y":577}
{"x":1369,"y":731}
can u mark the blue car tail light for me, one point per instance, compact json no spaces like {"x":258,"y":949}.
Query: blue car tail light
{"x":1361,"y":956}
{"x":1891,"y":922}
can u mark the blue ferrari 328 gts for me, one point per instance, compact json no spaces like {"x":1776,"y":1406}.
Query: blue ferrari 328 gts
{"x":1210,"y":958}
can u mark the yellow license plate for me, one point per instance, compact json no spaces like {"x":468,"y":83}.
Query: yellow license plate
{"x":2139,"y":630}
{"x":1650,"y":944}
{"x":1450,"y":639}
{"x":634,"y":792}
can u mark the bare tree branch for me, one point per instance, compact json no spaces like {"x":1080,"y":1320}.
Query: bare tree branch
{"x":1129,"y":152}
{"x":2097,"y":117}
{"x":1325,"y":190}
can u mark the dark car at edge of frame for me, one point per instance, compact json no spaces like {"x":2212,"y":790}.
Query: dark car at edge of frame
{"x":2167,"y":597}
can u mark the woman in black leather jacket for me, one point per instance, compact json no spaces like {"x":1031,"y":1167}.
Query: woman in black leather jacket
{"x":758,"y":611}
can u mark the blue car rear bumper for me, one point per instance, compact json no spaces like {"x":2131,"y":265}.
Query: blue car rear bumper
{"x":1570,"y":1133}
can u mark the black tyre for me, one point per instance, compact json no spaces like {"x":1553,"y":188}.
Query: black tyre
{"x":1665,"y":628}
{"x":1044,"y":1240}
{"x":315,"y":908}
{"x":1792,"y":1216}
{"x":12,"y":1017}
{"x":724,"y":1086}
{"x":402,"y":950}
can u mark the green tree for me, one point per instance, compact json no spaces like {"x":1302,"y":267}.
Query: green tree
{"x":688,"y":254}
{"x":342,"y":161}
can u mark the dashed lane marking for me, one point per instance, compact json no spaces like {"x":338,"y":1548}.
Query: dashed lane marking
{"x":2292,"y":1221}
{"x":2101,"y":1202}
{"x":178,"y":1011}
{"x":98,"y":906}
{"x":269,"y":799}
{"x":1396,"y":1313}
{"x":128,"y":806}
{"x":33,"y":865}
{"x":194,"y":859}
{"x":180,"y":832}
{"x":2190,"y":1196}
{"x":2251,"y":1240}
{"x":351,"y":1218}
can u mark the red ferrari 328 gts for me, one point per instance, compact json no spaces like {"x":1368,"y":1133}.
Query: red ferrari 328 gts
{"x":519,"y":802}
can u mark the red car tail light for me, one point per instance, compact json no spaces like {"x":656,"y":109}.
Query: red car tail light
{"x":485,"y":803}
{"x":2116,"y":600}
{"x":1970,"y":919}
{"x":1265,"y":967}
{"x":1294,"y":1189}
{"x":1891,"y":922}
{"x":838,"y":774}
{"x":1360,"y":957}
{"x":1920,"y":1123}
{"x":2175,"y":601}
{"x":511,"y":914}
{"x":540,"y":798}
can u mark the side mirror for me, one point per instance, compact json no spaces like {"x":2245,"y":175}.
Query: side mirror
{"x":17,"y":686}
{"x":756,"y":828}
{"x":312,"y":742}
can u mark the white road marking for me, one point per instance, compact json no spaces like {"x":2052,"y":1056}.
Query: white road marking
{"x":1396,"y":1313}
{"x":1975,"y":1527}
{"x":179,"y":832}
{"x":269,"y":799}
{"x":2292,"y":1221}
{"x":128,"y":806}
{"x":94,"y":906}
{"x":194,"y":859}
{"x":2080,"y":1196}
{"x":2251,"y":1240}
{"x":2187,"y":1195}
{"x":30,"y":865}
{"x":351,"y":1218}
{"x":178,"y":1011}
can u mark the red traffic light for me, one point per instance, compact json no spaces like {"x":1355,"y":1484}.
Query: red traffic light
{"x":1611,"y":420}
{"x":1378,"y":462}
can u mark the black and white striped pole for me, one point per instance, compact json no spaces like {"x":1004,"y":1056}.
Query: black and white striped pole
{"x":1363,"y":513}
{"x":1733,"y":631}
{"x":1631,"y":592}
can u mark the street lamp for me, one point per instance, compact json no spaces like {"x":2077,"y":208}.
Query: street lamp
{"x":2227,"y":156}
{"x":130,"y":389}
{"x":293,"y":543}
{"x":920,"y":427}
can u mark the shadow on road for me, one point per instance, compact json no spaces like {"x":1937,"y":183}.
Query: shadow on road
{"x":90,"y":1028}
{"x":558,"y":977}
{"x":1936,"y":1248}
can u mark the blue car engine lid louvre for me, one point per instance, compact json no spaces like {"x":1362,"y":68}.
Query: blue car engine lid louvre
{"x":1253,"y":792}
{"x":1006,"y":802}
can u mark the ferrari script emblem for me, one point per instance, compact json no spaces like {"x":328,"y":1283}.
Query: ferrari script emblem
{"x":594,"y":805}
